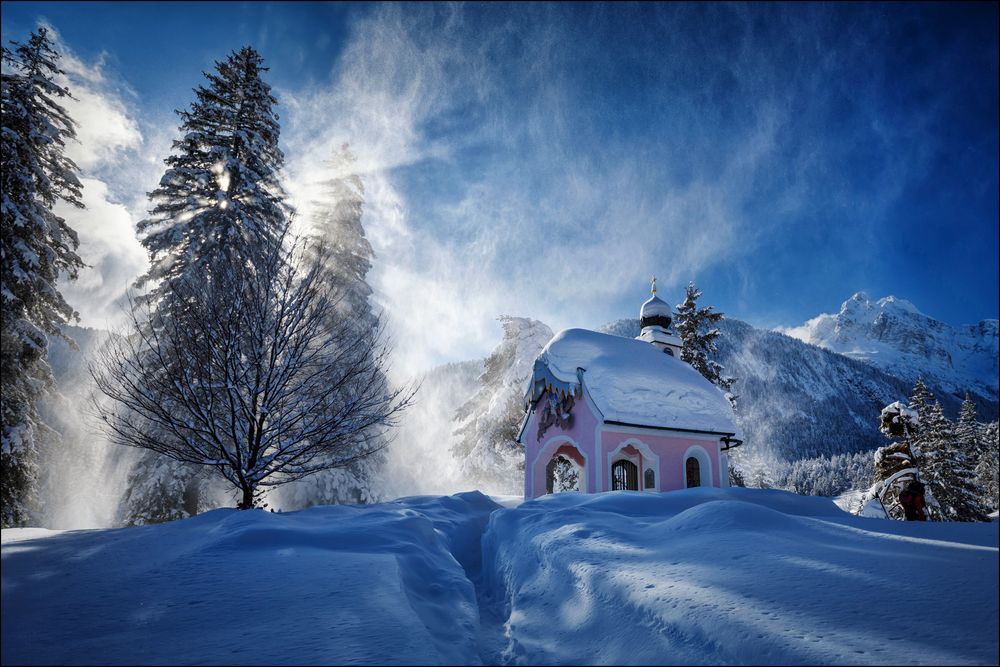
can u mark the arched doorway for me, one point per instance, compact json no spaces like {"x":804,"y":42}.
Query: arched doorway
{"x":693,"y":469}
{"x":624,"y":476}
{"x":562,"y":474}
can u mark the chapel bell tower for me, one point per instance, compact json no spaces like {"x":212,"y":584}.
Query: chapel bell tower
{"x":655,"y":317}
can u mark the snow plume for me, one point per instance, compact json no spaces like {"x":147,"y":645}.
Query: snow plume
{"x":493,"y":185}
{"x":473,"y":205}
{"x":83,"y":477}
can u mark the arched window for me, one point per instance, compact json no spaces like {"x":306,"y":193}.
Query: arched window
{"x":624,"y":476}
{"x":650,"y":481}
{"x":561,"y":475}
{"x":693,"y":472}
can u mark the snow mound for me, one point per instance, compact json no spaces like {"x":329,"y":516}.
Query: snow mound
{"x":729,"y":515}
{"x":381,"y":584}
{"x":737,"y":576}
{"x":700,"y":576}
{"x":634,"y":382}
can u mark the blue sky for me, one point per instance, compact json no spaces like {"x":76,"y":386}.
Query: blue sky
{"x":545,"y":160}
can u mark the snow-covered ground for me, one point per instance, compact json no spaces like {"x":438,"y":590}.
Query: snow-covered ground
{"x":696,"y":576}
{"x":383,"y":584}
{"x":738,"y":576}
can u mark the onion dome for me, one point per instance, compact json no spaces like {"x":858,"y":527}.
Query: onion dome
{"x":655,"y":312}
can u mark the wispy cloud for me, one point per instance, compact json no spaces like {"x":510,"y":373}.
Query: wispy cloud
{"x":117,"y":162}
{"x":546,"y":161}
{"x":499,"y":180}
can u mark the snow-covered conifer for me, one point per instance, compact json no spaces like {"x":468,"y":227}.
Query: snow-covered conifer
{"x":336,"y":227}
{"x":921,"y":399}
{"x":967,"y":430}
{"x":487,"y":448}
{"x":987,"y":467}
{"x":220,"y":199}
{"x":219,"y":207}
{"x":159,"y":489}
{"x":696,"y":328}
{"x":760,"y":478}
{"x":948,"y":469}
{"x":36,"y":246}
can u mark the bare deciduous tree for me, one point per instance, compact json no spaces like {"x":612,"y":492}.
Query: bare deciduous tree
{"x":243,"y":373}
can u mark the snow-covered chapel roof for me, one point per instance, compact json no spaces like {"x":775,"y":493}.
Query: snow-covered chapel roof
{"x":634,"y":382}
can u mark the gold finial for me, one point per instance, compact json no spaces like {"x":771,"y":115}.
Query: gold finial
{"x":654,"y":285}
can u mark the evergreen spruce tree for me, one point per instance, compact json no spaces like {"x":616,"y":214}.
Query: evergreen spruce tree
{"x":921,"y":400}
{"x":219,"y":207}
{"x":948,"y":469}
{"x":760,"y":478}
{"x":160,"y":489}
{"x":36,"y":245}
{"x":987,"y":467}
{"x":967,"y":431}
{"x":968,"y":446}
{"x":337,"y":232}
{"x":697,"y":331}
{"x":220,"y":200}
{"x":337,"y":239}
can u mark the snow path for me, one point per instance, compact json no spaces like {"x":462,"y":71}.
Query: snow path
{"x":703,"y":576}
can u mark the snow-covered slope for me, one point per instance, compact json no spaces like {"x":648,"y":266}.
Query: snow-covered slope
{"x":382,"y":584}
{"x":700,"y":576}
{"x":893,"y":335}
{"x":737,"y":576}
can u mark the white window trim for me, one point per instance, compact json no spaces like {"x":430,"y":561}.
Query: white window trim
{"x":648,"y":458}
{"x":548,"y":451}
{"x":704,"y":463}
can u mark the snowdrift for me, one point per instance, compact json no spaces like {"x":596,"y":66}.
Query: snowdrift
{"x":382,"y":584}
{"x":737,"y":576}
{"x":701,"y":576}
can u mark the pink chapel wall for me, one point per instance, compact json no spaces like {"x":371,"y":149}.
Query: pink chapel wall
{"x":671,"y":450}
{"x":538,"y":453}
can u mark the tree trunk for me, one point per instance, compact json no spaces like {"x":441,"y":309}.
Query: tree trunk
{"x":247,"y":502}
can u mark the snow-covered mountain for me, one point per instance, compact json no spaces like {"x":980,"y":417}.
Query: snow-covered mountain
{"x":795,"y":400}
{"x":892,"y":334}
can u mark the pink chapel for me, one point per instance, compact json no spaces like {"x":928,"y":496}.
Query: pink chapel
{"x":606,"y":413}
